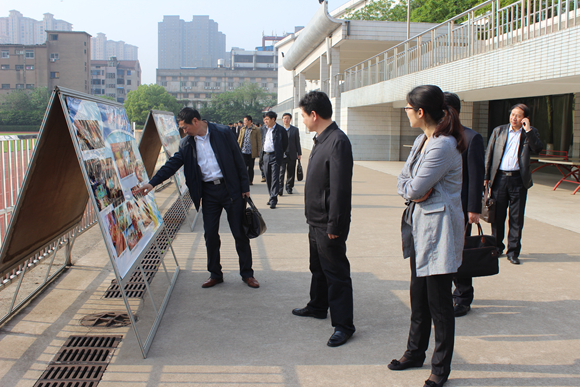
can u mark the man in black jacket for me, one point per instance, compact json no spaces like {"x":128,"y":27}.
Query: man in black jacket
{"x":274,"y":144}
{"x":507,"y":171}
{"x":216,"y":174}
{"x":327,"y":197}
{"x":471,"y":191}
{"x":292,"y":153}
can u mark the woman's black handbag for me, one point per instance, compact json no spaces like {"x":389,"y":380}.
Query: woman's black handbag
{"x":480,"y":256}
{"x":253,"y":223}
{"x":299,"y":172}
{"x":487,"y":207}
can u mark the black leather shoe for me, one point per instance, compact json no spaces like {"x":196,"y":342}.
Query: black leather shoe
{"x":440,"y":383}
{"x":461,"y":310}
{"x":289,"y":190}
{"x":272,"y":205}
{"x":397,"y":365}
{"x":269,"y":202}
{"x":281,"y":193}
{"x":514,"y":260}
{"x":338,"y":338}
{"x":305,"y":312}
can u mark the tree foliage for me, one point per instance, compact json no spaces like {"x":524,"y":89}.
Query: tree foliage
{"x":24,"y":107}
{"x":148,"y":97}
{"x":232,"y":106}
{"x":426,"y":11}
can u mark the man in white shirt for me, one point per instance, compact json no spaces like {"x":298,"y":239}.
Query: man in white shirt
{"x":273,"y":147}
{"x":507,"y":171}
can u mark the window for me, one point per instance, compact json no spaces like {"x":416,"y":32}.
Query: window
{"x":162,"y":78}
{"x":95,"y":72}
{"x":54,"y":56}
{"x":53,"y":37}
{"x":18,"y":52}
{"x":30,"y":85}
{"x":128,"y":81}
{"x":54,"y":75}
{"x":207,"y":84}
{"x":29,"y":67}
{"x":230,"y":84}
{"x":120,"y":82}
{"x":196,"y":96}
{"x":95,"y":81}
{"x":174,"y":78}
{"x":164,"y":83}
{"x":182,"y":84}
{"x":102,"y":81}
{"x":18,"y":67}
{"x":20,"y":85}
{"x":5,"y":67}
{"x":6,"y":85}
{"x":110,"y":86}
{"x":29,"y":54}
{"x":264,"y":85}
{"x":128,"y":72}
{"x":5,"y":54}
{"x":110,"y":76}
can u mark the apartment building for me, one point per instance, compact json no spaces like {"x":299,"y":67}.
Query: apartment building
{"x":17,"y":29}
{"x":115,"y":78}
{"x":103,"y":49}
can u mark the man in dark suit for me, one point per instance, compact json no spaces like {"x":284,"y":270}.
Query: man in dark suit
{"x":473,"y":174}
{"x":274,"y":144}
{"x":327,"y":200}
{"x":507,"y":171}
{"x":292,"y":153}
{"x":216,"y":174}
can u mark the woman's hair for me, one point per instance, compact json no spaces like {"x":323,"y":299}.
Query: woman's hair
{"x":431,"y":99}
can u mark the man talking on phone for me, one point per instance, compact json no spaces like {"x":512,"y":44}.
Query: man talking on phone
{"x":507,"y":171}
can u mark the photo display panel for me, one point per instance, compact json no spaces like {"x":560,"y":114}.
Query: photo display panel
{"x":169,"y":135}
{"x":115,"y":171}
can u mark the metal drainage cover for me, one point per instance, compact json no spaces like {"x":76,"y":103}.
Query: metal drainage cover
{"x":80,"y":362}
{"x":109,"y":320}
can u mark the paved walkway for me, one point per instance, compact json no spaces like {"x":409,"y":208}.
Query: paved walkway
{"x":523,"y":329}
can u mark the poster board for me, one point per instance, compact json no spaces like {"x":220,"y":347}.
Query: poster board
{"x":86,"y":151}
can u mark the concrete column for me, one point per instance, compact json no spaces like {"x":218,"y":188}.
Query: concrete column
{"x":324,"y":68}
{"x":299,"y":88}
{"x":333,"y":60}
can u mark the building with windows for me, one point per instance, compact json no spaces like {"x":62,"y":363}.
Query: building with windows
{"x":195,"y":87}
{"x":63,"y":60}
{"x":197,"y":43}
{"x":103,"y":49}
{"x":115,"y":78}
{"x":17,"y":29}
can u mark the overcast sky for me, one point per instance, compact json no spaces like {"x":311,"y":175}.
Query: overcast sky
{"x":135,"y":22}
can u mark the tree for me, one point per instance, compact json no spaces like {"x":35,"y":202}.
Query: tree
{"x":231,"y":106}
{"x":24,"y":107}
{"x":148,"y":97}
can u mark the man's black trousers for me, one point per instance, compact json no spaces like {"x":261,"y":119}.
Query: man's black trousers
{"x":249,"y":161}
{"x":509,"y":192}
{"x":331,"y":285}
{"x":290,"y":167}
{"x":431,"y":300}
{"x":272,"y":172}
{"x":214,"y":199}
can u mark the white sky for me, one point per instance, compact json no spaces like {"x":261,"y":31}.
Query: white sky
{"x":135,"y":22}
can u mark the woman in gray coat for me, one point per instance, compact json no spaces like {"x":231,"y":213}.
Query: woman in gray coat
{"x":432,"y":228}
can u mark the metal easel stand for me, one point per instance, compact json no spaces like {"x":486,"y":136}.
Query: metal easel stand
{"x":158,"y":311}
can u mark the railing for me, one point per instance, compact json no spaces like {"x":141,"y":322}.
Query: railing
{"x":16,"y":152}
{"x":457,"y":39}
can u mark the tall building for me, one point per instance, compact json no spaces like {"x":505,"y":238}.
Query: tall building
{"x":197,"y":43}
{"x":103,"y":49}
{"x":63,"y":60}
{"x":115,"y":78}
{"x":17,"y":29}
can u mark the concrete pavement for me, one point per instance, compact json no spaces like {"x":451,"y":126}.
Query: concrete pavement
{"x":523,"y":329}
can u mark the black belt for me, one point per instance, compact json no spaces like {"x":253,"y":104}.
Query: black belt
{"x":510,"y":173}
{"x":215,"y":182}
{"x":270,"y":153}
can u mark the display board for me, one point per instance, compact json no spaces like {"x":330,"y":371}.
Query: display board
{"x":115,"y":170}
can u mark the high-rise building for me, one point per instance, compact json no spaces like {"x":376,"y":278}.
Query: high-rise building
{"x":197,"y":43}
{"x":63,"y":60}
{"x":17,"y":29}
{"x":103,"y":49}
{"x":115,"y":78}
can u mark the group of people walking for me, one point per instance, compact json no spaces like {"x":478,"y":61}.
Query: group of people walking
{"x":442,"y":182}
{"x":277,"y":147}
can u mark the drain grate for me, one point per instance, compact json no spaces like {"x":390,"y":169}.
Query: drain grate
{"x":80,"y":362}
{"x":135,"y":287}
{"x":109,"y":320}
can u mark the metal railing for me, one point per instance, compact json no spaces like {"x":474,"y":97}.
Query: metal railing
{"x":16,"y":152}
{"x":483,"y":28}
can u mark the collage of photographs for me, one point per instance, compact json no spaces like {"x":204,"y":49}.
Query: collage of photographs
{"x":169,"y":135}
{"x":115,"y":170}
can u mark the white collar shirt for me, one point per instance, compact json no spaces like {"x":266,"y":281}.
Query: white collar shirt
{"x":269,"y":141}
{"x":509,"y":160}
{"x":210,"y":169}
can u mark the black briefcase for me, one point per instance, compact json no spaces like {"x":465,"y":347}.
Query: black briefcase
{"x":299,"y":172}
{"x":253,"y":223}
{"x":480,"y":256}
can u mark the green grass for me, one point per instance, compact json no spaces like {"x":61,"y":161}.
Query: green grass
{"x":13,"y":145}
